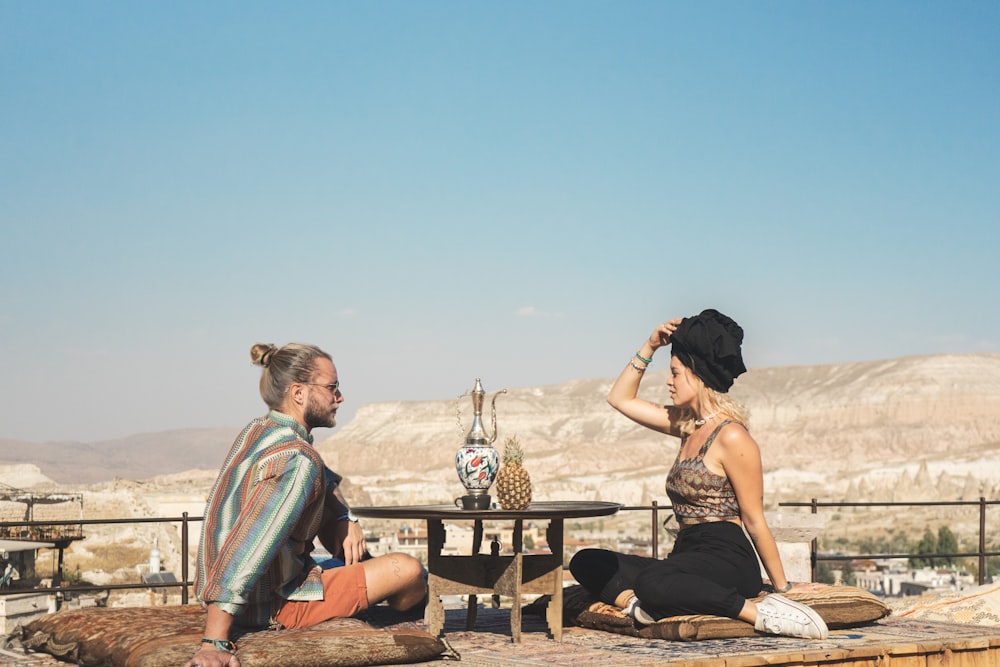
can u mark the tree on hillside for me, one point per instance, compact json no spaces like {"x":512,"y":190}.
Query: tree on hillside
{"x":870,"y":545}
{"x":992,"y":567}
{"x":824,"y":574}
{"x":992,"y":564}
{"x":898,"y":542}
{"x":847,"y":576}
{"x":925,"y":549}
{"x":946,"y":544}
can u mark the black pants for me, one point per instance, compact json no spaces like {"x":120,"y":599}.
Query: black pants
{"x":712,"y":569}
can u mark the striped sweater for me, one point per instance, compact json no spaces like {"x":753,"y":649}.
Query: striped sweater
{"x":260,"y":520}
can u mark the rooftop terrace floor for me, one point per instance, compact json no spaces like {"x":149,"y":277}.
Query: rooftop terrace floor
{"x":891,"y":642}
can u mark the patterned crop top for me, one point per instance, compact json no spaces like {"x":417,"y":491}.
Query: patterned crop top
{"x":697,"y":494}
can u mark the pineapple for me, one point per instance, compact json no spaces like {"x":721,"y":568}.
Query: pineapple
{"x":513,"y":483}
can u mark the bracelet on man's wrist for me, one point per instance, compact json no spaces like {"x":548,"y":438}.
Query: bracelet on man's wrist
{"x":348,"y":516}
{"x":223,"y":645}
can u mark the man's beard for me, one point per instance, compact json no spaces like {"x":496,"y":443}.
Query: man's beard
{"x":316,"y":417}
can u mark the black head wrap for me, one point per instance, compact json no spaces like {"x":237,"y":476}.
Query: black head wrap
{"x":709,"y":344}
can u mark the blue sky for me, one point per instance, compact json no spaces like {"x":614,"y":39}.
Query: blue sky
{"x":439,"y":191}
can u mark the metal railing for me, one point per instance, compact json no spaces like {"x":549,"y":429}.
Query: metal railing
{"x":184,"y":520}
{"x":41,"y":533}
{"x":655,"y":509}
{"x":981,"y":554}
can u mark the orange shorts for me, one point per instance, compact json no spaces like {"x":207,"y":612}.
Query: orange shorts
{"x":345,"y":593}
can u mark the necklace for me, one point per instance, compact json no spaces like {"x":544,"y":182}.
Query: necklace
{"x":704,"y":420}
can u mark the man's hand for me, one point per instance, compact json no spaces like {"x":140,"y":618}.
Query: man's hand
{"x":354,"y":543}
{"x":217,"y":626}
{"x":209,"y":656}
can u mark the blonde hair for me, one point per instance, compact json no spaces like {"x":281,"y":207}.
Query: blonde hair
{"x":283,"y":366}
{"x":724,"y":404}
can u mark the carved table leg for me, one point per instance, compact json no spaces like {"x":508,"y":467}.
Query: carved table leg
{"x":495,"y":552}
{"x":434,"y":613}
{"x":554,"y":612}
{"x":472,"y":608}
{"x":509,"y":584}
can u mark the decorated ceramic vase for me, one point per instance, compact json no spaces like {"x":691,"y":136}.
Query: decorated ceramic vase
{"x":477,"y":461}
{"x":477,"y":467}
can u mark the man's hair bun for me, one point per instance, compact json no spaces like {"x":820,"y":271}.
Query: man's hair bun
{"x":261,"y":354}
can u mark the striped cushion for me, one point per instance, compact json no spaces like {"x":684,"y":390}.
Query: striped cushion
{"x":839,"y":607}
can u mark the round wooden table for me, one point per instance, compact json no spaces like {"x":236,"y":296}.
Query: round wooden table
{"x":482,"y":574}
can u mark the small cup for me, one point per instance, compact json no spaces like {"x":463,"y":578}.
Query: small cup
{"x":471,"y":502}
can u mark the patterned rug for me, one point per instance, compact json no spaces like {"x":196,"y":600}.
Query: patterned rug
{"x":490,"y":645}
{"x":976,"y":606}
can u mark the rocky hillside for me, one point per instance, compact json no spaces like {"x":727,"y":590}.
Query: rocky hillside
{"x":136,"y":457}
{"x":923,"y":427}
{"x":916,"y":428}
{"x":900,"y":428}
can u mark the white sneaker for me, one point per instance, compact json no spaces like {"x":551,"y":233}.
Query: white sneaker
{"x":777,"y":615}
{"x":637,"y":613}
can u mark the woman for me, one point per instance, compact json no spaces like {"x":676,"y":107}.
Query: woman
{"x":716,"y":489}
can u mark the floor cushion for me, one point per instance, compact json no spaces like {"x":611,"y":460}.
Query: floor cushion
{"x":974,"y":606}
{"x":839,"y":607}
{"x":170,"y":635}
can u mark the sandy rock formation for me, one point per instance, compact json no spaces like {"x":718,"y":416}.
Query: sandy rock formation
{"x":916,"y":428}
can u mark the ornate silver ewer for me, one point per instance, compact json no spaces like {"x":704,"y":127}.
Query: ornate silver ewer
{"x":477,"y":461}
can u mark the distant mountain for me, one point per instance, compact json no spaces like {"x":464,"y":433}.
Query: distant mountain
{"x":135,"y":457}
{"x":922,"y":426}
{"x":909,"y":429}
{"x":821,"y":430}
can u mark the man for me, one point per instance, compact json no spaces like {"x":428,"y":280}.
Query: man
{"x":273,"y":497}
